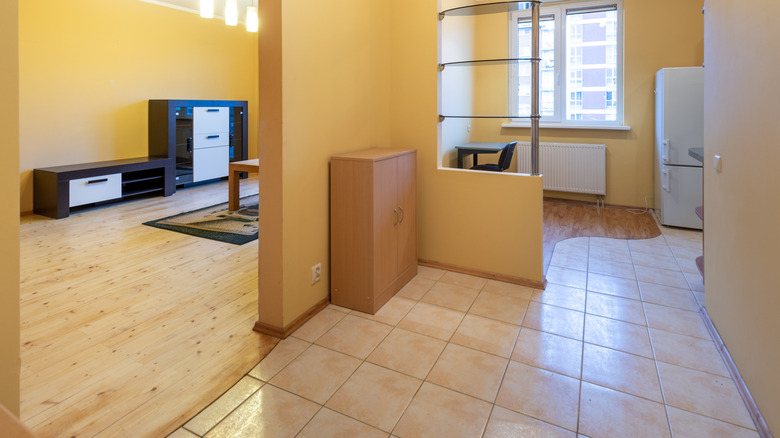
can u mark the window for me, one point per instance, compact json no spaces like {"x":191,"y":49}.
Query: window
{"x":611,"y":99}
{"x":575,"y":77}
{"x":575,"y":101}
{"x":575,"y":55}
{"x":522,"y":75}
{"x":611,"y":78}
{"x":581,"y":68}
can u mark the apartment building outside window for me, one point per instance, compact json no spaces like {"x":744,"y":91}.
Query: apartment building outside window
{"x":581,"y":68}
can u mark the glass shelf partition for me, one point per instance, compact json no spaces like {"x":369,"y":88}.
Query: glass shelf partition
{"x":496,"y":61}
{"x":442,"y":117}
{"x":494,"y":8}
{"x":486,"y":8}
{"x":483,"y":9}
{"x":485,"y":62}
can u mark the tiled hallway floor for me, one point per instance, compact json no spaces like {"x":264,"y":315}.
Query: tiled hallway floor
{"x":614,"y":347}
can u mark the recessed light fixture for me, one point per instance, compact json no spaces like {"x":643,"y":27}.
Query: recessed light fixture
{"x":251,"y":18}
{"x":207,"y":8}
{"x":231,"y":12}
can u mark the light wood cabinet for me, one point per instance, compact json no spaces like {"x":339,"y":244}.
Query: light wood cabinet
{"x":373,"y":226}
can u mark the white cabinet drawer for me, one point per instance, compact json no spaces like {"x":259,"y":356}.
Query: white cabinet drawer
{"x":210,"y":163}
{"x":210,"y":119}
{"x":200,"y":141}
{"x":95,"y":189}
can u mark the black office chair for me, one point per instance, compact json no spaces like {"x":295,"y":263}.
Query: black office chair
{"x":503,"y":160}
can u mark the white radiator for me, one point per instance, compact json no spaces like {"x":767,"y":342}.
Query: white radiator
{"x":568,"y":167}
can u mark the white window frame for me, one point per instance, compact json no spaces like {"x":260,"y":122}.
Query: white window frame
{"x":557,"y":9}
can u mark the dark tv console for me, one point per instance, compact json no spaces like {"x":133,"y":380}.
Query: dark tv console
{"x":57,"y":189}
{"x":189,"y":141}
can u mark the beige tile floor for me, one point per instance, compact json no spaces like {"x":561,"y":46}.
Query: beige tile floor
{"x":614,"y":347}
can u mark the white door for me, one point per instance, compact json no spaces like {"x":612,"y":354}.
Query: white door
{"x":681,"y":193}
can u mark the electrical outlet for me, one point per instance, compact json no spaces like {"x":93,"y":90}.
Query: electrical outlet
{"x":316,"y":273}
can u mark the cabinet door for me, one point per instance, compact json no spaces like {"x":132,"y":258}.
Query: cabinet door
{"x":352,"y":234}
{"x":407,"y":201}
{"x":210,"y":119}
{"x":386,"y":221}
{"x":210,"y":163}
{"x":210,"y":140}
{"x":95,"y":189}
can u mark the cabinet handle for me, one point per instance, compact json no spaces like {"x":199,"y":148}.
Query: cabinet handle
{"x":212,"y":110}
{"x":96,"y":181}
{"x":403,"y":215}
{"x":395,"y":210}
{"x":212,"y":136}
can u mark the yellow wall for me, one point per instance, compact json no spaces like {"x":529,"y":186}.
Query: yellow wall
{"x":9,"y":214}
{"x":336,"y":89}
{"x":368,"y":79}
{"x":485,"y":221}
{"x":88,"y":68}
{"x":741,"y":207}
{"x":270,"y":137}
{"x":335,"y":85}
{"x":658,"y":34}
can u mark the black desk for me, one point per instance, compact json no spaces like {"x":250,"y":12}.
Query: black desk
{"x":477,"y":148}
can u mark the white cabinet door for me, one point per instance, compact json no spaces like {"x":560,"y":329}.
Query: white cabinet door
{"x":95,"y":189}
{"x":210,"y":163}
{"x":210,"y":119}
{"x":200,"y":141}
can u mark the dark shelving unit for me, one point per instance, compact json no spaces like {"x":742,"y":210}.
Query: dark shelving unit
{"x":143,"y":175}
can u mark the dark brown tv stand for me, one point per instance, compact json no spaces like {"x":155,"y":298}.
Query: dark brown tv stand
{"x":57,"y":189}
{"x":171,"y":161}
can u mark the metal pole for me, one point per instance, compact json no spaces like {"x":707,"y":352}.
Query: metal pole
{"x":535,"y":116}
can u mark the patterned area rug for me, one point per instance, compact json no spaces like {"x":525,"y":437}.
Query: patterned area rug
{"x":216,"y":222}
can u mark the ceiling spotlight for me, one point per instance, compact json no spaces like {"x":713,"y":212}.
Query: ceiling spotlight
{"x":207,"y":8}
{"x":231,"y":12}
{"x":251,"y":18}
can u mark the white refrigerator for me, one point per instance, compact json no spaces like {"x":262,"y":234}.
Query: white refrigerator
{"x":679,"y":126}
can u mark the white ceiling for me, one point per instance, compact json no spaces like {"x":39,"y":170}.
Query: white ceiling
{"x":194,"y":6}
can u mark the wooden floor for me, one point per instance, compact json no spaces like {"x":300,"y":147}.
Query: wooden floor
{"x":129,"y":330}
{"x":567,"y":219}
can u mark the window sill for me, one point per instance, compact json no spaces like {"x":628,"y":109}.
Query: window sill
{"x":567,"y":126}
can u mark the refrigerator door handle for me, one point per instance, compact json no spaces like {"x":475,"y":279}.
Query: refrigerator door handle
{"x":665,"y":179}
{"x":666,"y":151}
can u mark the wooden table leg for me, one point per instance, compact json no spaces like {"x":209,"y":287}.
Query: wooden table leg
{"x":234,"y":176}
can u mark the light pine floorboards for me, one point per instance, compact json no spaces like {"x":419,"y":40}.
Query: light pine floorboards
{"x":129,"y":330}
{"x":566,"y":219}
